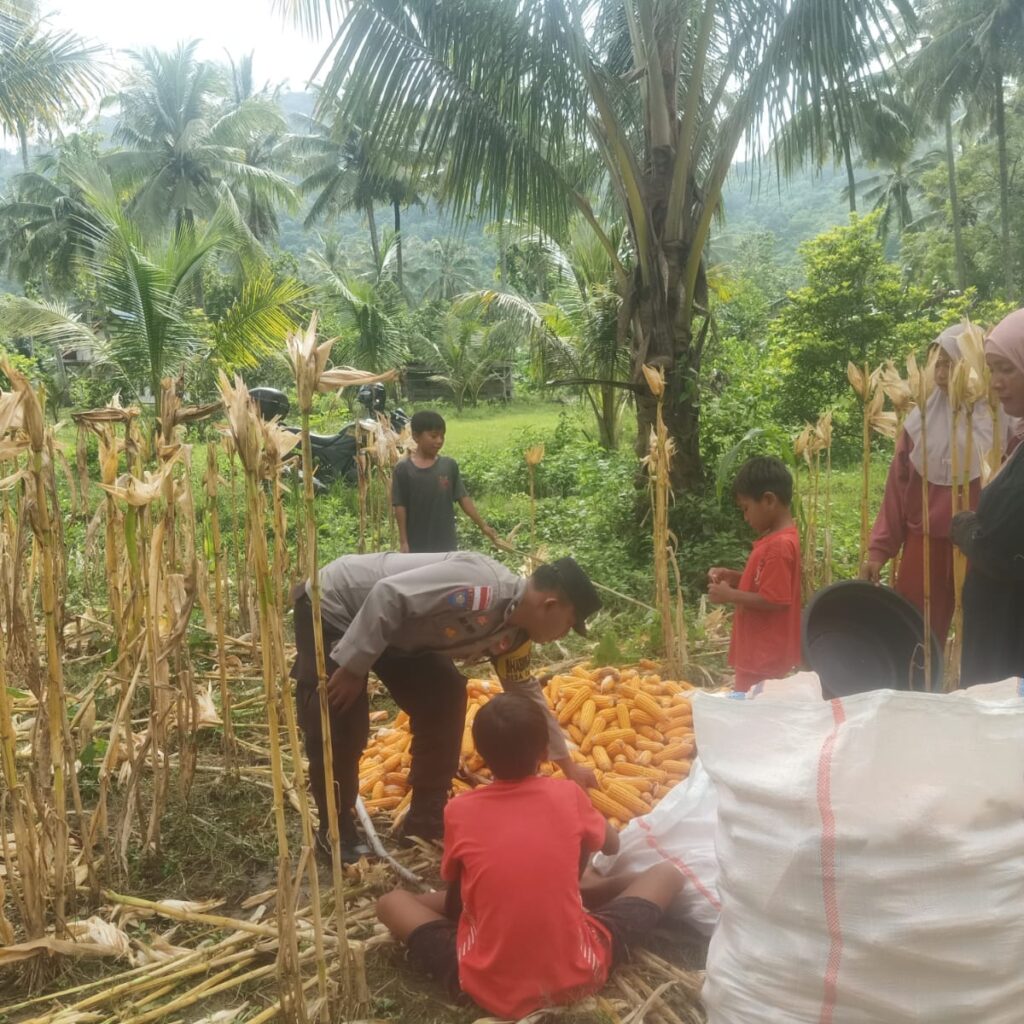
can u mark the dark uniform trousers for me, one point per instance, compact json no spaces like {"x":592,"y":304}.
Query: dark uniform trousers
{"x":428,"y":687}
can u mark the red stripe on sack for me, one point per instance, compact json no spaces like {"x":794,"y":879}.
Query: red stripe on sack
{"x":680,"y":865}
{"x":828,"y":865}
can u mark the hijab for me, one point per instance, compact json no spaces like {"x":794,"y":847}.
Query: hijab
{"x":1006,"y":339}
{"x":939,"y":426}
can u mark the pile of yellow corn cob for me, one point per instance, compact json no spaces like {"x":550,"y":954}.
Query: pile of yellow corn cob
{"x":633,"y":728}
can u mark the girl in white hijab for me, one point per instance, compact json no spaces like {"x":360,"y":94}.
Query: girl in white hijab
{"x":899,"y":525}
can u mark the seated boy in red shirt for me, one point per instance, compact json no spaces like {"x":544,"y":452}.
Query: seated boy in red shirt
{"x":513,"y":853}
{"x":766,"y":595}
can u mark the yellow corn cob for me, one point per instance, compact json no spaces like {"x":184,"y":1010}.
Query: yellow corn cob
{"x":633,"y":781}
{"x":587,"y":713}
{"x":572,"y":705}
{"x":641,"y":771}
{"x":399,"y":778}
{"x":676,"y":768}
{"x":651,"y":734}
{"x":600,"y":758}
{"x":609,"y":807}
{"x":575,"y":732}
{"x":392,"y":762}
{"x":622,"y":713}
{"x":638,"y":718}
{"x":580,"y":672}
{"x":643,"y":743}
{"x":604,"y":700}
{"x":385,"y":803}
{"x":625,"y":795}
{"x":644,"y":757}
{"x":645,"y":702}
{"x":611,"y":735}
{"x":671,"y":752}
{"x":679,"y":709}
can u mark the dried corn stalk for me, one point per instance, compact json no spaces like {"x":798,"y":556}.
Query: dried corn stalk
{"x":247,"y":432}
{"x":308,"y":360}
{"x":658,"y":463}
{"x":921,"y":385}
{"x":54,"y":705}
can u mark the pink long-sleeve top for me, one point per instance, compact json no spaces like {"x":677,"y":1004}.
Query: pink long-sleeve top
{"x":900,"y":513}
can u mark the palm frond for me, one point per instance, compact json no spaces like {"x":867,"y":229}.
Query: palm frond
{"x":259,"y":320}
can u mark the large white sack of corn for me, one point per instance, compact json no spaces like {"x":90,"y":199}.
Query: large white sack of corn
{"x":871,"y":858}
{"x":681,"y":830}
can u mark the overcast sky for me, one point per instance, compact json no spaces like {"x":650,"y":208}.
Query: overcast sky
{"x":237,"y":26}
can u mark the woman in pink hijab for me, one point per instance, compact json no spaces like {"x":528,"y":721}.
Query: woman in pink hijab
{"x":900,"y":523}
{"x":993,"y":536}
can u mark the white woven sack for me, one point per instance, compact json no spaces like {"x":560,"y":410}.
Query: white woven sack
{"x":871,"y":857}
{"x":681,"y":830}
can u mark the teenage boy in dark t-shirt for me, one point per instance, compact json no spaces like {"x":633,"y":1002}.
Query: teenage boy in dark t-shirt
{"x":424,"y":490}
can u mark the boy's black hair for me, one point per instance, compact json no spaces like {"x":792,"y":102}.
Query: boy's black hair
{"x":424,"y":420}
{"x":511,"y":735}
{"x":761,"y":474}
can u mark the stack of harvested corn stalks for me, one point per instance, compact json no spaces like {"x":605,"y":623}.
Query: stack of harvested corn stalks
{"x":633,"y":728}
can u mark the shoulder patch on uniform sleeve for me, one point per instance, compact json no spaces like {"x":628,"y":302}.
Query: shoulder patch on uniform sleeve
{"x":471,"y":599}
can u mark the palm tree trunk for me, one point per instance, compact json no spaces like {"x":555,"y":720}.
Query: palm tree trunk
{"x":371,"y":222}
{"x":1009,"y":280}
{"x":608,"y":417}
{"x":23,"y":143}
{"x":954,"y":206}
{"x":851,"y":185}
{"x":398,"y":244}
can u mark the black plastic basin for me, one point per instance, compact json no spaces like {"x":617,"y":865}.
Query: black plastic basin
{"x":859,"y":636}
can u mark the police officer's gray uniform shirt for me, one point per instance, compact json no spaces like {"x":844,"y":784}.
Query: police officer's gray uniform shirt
{"x":456,"y":604}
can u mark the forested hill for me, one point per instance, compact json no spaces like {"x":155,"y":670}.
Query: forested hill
{"x":803,"y":206}
{"x":794,"y":210}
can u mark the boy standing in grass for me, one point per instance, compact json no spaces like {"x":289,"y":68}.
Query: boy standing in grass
{"x":425,"y":488}
{"x":511,"y":931}
{"x":766,"y":595}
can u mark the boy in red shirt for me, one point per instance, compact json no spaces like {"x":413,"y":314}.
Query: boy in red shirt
{"x":513,"y":854}
{"x":766,"y":595}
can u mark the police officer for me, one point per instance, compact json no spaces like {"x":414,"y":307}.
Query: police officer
{"x":407,"y":616}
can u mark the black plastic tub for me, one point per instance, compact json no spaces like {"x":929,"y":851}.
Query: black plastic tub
{"x":859,"y":636}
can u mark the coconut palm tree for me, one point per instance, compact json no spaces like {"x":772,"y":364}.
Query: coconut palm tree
{"x":182,"y":139}
{"x":504,"y":102}
{"x":467,"y":354}
{"x":266,"y":147}
{"x":336,"y":169}
{"x":147,"y":326}
{"x":43,"y":74}
{"x":892,"y":190}
{"x":369,"y":312}
{"x":40,"y":218}
{"x":448,"y":268}
{"x":975,"y":49}
{"x":867,"y":122}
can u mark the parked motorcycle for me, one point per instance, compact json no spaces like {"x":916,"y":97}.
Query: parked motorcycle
{"x":334,"y":455}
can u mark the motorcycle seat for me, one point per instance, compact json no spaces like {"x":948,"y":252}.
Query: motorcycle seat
{"x":322,"y":439}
